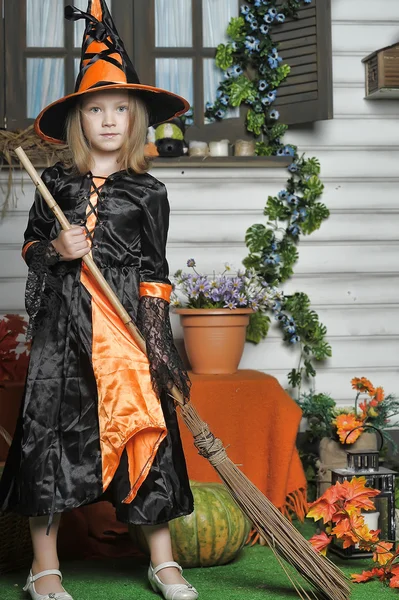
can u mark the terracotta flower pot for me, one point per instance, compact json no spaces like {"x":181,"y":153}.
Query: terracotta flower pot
{"x":214,"y":338}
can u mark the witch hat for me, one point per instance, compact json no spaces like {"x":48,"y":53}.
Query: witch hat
{"x":104,"y":65}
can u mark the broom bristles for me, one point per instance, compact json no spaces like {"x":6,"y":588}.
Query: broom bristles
{"x":282,"y":537}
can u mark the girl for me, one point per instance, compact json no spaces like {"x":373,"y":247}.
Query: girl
{"x":97,"y":422}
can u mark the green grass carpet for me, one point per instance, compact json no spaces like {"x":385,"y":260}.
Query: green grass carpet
{"x":254,"y":575}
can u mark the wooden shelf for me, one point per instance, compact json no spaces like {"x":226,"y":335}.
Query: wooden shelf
{"x":225,"y":162}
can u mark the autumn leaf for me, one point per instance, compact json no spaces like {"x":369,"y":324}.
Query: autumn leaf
{"x":324,"y":507}
{"x":367,"y":575}
{"x":356,"y":495}
{"x":320,"y":542}
{"x":345,"y":530}
{"x":382,"y":553}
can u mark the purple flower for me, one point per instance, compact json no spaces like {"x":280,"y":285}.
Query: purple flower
{"x":241,"y":299}
{"x":191,"y":262}
{"x":230,"y":305}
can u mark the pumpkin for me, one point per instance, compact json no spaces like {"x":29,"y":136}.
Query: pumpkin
{"x":212,"y":535}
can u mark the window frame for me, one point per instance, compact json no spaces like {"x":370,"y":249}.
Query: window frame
{"x":145,"y":53}
{"x":13,"y":78}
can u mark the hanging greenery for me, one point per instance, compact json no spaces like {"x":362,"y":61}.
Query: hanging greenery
{"x":253,"y":72}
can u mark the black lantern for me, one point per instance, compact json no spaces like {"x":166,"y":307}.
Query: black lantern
{"x":365,"y":463}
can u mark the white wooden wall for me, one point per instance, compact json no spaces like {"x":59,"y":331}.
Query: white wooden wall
{"x":350,"y":268}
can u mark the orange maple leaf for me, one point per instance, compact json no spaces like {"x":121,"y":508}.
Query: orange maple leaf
{"x":382,"y":553}
{"x":356,"y":495}
{"x":320,"y":542}
{"x":367,"y":575}
{"x":324,"y":507}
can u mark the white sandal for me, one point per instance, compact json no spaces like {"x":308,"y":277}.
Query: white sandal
{"x":175,"y":591}
{"x":30,"y":587}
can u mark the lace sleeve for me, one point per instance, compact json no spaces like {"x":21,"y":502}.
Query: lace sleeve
{"x":166,"y":366}
{"x":42,"y":284}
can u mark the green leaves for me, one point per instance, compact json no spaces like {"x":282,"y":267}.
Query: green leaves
{"x":257,"y":238}
{"x":236,"y":28}
{"x":258,"y":327}
{"x":280,"y":74}
{"x":315,"y":216}
{"x":275,"y":209}
{"x":241,"y":89}
{"x":289,"y":255}
{"x":224,"y":57}
{"x":255,"y":122}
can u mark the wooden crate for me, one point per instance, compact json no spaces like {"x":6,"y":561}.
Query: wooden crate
{"x":382,"y":73}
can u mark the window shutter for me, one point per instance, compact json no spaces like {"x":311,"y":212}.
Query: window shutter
{"x":305,"y":45}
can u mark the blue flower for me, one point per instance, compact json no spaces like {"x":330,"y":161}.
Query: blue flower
{"x":264,"y":29}
{"x":268,"y":19}
{"x":272,"y":12}
{"x":293,"y":200}
{"x":251,"y":43}
{"x":254,"y":25}
{"x":234,"y":46}
{"x":289,"y":151}
{"x":265,"y":101}
{"x":307,"y":1}
{"x":290,"y":329}
{"x":220,"y":113}
{"x":274,"y":114}
{"x":258,"y":3}
{"x":234,"y":71}
{"x":293,"y":230}
{"x":250,"y":18}
{"x":273,"y":63}
{"x":274,"y":54}
{"x":280,"y":152}
{"x":295,"y":338}
{"x":209,"y":106}
{"x":263,"y":85}
{"x":273,"y":246}
{"x":293,"y":168}
{"x":191,"y":262}
{"x":272,"y":95}
{"x":282,"y":195}
{"x":280,"y":18}
{"x":245,"y":9}
{"x":294,"y":215}
{"x":276,"y":306}
{"x":303,"y":213}
{"x":188,"y":121}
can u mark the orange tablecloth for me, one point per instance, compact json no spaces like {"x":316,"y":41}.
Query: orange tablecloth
{"x":258,"y":421}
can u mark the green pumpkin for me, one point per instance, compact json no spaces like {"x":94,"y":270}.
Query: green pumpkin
{"x":212,"y":535}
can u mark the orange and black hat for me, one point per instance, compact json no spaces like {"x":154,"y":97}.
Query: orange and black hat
{"x":104,"y":65}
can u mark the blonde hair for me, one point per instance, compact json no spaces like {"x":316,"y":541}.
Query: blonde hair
{"x":132,"y":152}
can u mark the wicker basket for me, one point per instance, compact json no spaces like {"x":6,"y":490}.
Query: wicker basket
{"x":15,"y":541}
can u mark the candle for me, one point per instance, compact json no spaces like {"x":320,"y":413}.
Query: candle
{"x":220,"y":148}
{"x":197,"y":148}
{"x":244,"y":148}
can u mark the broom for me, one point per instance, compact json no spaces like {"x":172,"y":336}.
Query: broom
{"x":283,"y":538}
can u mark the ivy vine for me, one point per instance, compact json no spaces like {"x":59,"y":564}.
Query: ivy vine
{"x":253,"y":72}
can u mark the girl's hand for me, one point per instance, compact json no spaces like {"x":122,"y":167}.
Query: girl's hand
{"x":72,"y":244}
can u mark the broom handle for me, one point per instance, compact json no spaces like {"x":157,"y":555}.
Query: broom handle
{"x":88,"y":260}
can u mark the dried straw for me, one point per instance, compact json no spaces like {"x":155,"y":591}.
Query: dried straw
{"x":283,"y":538}
{"x":41,"y":153}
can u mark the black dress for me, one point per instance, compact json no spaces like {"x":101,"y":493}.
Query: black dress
{"x":55,"y":461}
